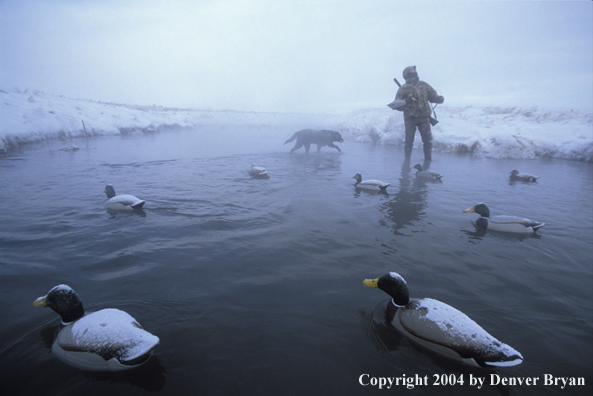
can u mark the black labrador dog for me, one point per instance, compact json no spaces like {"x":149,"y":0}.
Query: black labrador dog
{"x":307,"y":137}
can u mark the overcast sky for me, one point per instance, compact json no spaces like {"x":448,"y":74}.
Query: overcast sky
{"x":318,"y":56}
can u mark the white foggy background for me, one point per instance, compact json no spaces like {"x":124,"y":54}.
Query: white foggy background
{"x":299,"y":56}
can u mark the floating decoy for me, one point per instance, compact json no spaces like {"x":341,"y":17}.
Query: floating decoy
{"x":106,"y":340}
{"x":258,"y":171}
{"x":523,"y":177}
{"x":426,"y":174}
{"x":125,"y":202}
{"x":442,"y":328}
{"x":371,"y":185}
{"x":69,"y":148}
{"x":503,"y":223}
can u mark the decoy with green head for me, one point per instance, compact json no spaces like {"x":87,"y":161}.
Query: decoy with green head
{"x":426,"y":174}
{"x":370,"y":185}
{"x":441,"y":328}
{"x":106,"y":340}
{"x":503,"y":223}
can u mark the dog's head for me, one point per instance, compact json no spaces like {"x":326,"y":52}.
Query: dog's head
{"x":337,"y":137}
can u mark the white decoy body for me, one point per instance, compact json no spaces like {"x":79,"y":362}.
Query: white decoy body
{"x":426,"y":174}
{"x":106,"y":340}
{"x":503,"y":223}
{"x":370,"y":185}
{"x":441,"y":328}
{"x":523,"y":177}
{"x":124,"y":203}
{"x":258,"y":171}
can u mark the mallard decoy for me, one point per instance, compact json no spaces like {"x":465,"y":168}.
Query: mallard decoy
{"x":426,"y":174}
{"x":523,"y":177}
{"x":70,"y":148}
{"x":106,"y":340}
{"x":502,"y":222}
{"x":258,"y":171}
{"x":371,"y":185}
{"x":123,"y":202}
{"x":442,"y":328}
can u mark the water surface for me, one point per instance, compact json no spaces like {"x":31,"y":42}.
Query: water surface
{"x":254,"y":286}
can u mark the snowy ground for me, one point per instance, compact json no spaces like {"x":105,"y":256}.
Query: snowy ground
{"x":493,"y":132}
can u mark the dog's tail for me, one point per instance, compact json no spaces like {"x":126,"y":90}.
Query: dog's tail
{"x":292,"y":138}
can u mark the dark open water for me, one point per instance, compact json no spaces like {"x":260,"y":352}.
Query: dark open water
{"x":255,"y":286}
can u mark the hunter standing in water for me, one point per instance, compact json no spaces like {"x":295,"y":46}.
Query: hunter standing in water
{"x":417,"y":110}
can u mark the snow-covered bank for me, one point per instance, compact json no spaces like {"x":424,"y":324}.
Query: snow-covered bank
{"x":492,"y":132}
{"x":34,"y":117}
{"x":482,"y":131}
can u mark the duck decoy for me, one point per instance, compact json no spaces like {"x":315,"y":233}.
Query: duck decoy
{"x":125,"y":202}
{"x":106,"y":340}
{"x":370,"y":185}
{"x":426,"y":174}
{"x":258,"y":171}
{"x":522,"y":177}
{"x":442,"y":328}
{"x":503,"y":223}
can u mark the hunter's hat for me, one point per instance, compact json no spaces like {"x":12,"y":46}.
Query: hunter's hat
{"x":407,"y":70}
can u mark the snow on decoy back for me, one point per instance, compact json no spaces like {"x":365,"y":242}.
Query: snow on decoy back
{"x":522,"y":177}
{"x":426,"y":174}
{"x":503,"y":223}
{"x":442,"y":328}
{"x":106,"y":340}
{"x":370,"y":185}
{"x":125,"y":202}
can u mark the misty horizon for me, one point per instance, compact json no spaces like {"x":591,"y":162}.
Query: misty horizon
{"x":306,"y":57}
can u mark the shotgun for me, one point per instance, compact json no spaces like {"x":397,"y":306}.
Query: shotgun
{"x":433,"y":121}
